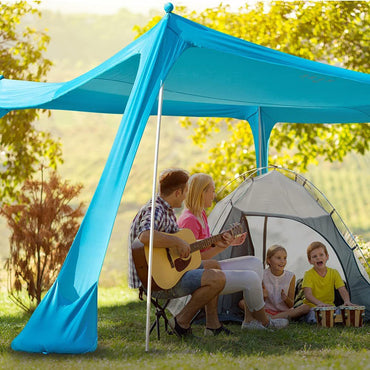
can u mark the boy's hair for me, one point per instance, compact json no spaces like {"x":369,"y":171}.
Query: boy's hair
{"x":274,"y":249}
{"x":316,"y":245}
{"x":172,"y":179}
{"x":198,"y":183}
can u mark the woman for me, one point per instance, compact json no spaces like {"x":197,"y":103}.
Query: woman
{"x":242,"y":273}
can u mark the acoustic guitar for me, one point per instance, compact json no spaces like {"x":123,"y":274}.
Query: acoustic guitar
{"x":168,"y":267}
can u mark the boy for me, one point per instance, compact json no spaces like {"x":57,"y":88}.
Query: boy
{"x":319,"y":282}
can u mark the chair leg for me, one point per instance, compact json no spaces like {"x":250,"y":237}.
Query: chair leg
{"x":155,"y":324}
{"x":157,"y":317}
{"x":159,"y":312}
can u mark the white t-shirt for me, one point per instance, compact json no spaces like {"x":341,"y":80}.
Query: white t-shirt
{"x":274,"y":285}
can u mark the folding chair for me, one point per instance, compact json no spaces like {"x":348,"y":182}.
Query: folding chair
{"x":160,"y":312}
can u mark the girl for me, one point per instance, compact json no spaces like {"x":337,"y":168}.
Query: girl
{"x":242,"y":273}
{"x":279,"y":286}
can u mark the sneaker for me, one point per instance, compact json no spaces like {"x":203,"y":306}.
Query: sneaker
{"x":277,"y":323}
{"x":273,"y":324}
{"x":213,"y":332}
{"x":253,"y":325}
{"x":178,"y":330}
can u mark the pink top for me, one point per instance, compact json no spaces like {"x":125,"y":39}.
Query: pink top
{"x":187,"y":220}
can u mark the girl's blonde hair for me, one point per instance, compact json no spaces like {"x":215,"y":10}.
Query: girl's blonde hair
{"x":272,"y":250}
{"x":198,"y":183}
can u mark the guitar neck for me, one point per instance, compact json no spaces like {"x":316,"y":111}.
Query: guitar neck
{"x":201,"y":244}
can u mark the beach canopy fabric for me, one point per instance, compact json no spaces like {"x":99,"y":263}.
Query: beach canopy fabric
{"x":205,"y":73}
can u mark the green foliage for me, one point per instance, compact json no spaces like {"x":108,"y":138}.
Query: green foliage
{"x":363,"y":254}
{"x":121,"y":344}
{"x":346,"y":186}
{"x":22,"y":147}
{"x":43,"y":226}
{"x":334,"y":32}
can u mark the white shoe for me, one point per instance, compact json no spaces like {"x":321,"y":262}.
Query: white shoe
{"x":277,"y":323}
{"x":273,"y":324}
{"x":253,"y":325}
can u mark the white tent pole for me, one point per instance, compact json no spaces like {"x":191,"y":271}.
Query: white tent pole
{"x":155,"y":168}
{"x":260,"y":139}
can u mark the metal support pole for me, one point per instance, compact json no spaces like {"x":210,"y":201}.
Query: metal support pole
{"x":155,"y":168}
{"x":260,"y":139}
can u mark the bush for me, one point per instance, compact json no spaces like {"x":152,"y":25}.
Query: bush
{"x":43,"y":225}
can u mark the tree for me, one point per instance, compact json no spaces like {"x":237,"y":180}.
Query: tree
{"x":22,"y":147}
{"x":334,"y":32}
{"x":43,"y":225}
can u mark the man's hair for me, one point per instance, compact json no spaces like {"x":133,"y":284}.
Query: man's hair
{"x":172,"y":179}
{"x":274,"y":249}
{"x":316,"y":245}
{"x":198,"y":183}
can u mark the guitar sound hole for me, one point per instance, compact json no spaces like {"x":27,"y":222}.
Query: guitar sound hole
{"x":181,"y":264}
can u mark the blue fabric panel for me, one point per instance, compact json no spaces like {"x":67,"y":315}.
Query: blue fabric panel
{"x":261,"y":125}
{"x":82,"y":267}
{"x":61,"y":325}
{"x":3,"y":112}
{"x":218,"y":75}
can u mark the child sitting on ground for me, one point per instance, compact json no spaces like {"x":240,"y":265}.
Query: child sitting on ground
{"x":319,"y":282}
{"x":279,"y":286}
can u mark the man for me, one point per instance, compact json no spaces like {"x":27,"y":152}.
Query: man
{"x":203,"y":285}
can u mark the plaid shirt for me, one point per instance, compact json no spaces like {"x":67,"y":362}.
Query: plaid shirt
{"x":164,"y":220}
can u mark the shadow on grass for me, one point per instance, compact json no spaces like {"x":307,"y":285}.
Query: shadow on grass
{"x":121,"y":336}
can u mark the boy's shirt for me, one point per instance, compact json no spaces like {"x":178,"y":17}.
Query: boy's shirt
{"x":322,"y":287}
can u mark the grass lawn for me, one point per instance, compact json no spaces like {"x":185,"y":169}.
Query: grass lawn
{"x":121,"y":344}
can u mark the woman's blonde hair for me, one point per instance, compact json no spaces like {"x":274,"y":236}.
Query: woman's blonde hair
{"x":272,"y":250}
{"x":198,"y":183}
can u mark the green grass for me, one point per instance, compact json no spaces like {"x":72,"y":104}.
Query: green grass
{"x":121,"y":344}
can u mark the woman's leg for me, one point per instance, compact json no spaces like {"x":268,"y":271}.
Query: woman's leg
{"x":243,"y":263}
{"x":250,"y":284}
{"x":250,"y":263}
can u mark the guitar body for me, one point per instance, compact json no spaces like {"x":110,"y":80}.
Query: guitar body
{"x":167,"y":267}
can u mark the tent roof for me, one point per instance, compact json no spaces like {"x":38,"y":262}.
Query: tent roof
{"x":274,"y":194}
{"x":214,"y":75}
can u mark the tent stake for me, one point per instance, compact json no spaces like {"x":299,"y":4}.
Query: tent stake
{"x":155,"y":168}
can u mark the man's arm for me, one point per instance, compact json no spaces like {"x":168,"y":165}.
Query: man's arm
{"x":162,"y":240}
{"x":218,"y":247}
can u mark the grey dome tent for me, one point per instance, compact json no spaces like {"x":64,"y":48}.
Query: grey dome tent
{"x":282,"y":207}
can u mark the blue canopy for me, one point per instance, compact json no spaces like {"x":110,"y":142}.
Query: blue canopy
{"x":205,"y":74}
